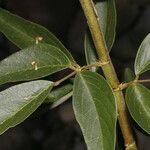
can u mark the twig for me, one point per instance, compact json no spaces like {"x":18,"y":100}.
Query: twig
{"x":109,"y":71}
{"x":56,"y":83}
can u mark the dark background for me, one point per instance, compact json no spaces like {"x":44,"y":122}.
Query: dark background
{"x":57,"y":129}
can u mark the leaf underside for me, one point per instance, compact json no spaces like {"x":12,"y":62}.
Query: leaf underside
{"x":138,"y":102}
{"x":95,"y":110}
{"x":58,"y":93}
{"x":19,"y":101}
{"x":142,"y":61}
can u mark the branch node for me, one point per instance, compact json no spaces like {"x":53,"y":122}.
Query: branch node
{"x":76,"y":68}
{"x":103,"y":63}
{"x":56,"y":83}
{"x":120,"y":87}
{"x":130,"y":146}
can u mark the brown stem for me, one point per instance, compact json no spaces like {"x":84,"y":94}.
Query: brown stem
{"x":109,"y":71}
{"x":143,"y":81}
{"x":97,"y":64}
{"x":125,"y":85}
{"x":56,"y":83}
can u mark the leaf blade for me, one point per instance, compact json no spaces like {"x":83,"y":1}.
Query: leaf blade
{"x":106,"y":11}
{"x":90,"y":52}
{"x":137,"y":99}
{"x":61,"y":100}
{"x":92,"y":112}
{"x":19,"y":101}
{"x":128,"y":75}
{"x":59,"y":95}
{"x":33,"y":62}
{"x":25,"y":32}
{"x":142,"y":61}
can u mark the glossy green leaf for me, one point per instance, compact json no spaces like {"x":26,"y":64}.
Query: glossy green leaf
{"x":19,"y":101}
{"x":95,"y":110}
{"x":107,"y":13}
{"x":33,"y":62}
{"x":128,"y":75}
{"x":59,"y":95}
{"x":142,"y":61}
{"x":90,"y":52}
{"x":23,"y":33}
{"x":138,"y":102}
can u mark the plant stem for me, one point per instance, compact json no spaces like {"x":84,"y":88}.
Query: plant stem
{"x":97,"y":64}
{"x":143,"y":81}
{"x":109,"y":71}
{"x":56,"y":83}
{"x":123,"y":86}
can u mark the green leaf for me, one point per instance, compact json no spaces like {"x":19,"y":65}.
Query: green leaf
{"x":61,"y":100}
{"x":107,"y":13}
{"x":95,"y":110}
{"x":90,"y":52}
{"x":142,"y":61}
{"x":23,"y":33}
{"x":59,"y":95}
{"x":138,"y":102}
{"x":128,"y":75}
{"x":19,"y":101}
{"x":33,"y":62}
